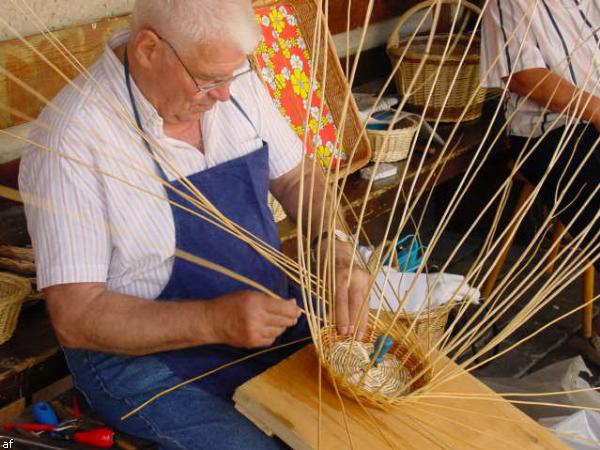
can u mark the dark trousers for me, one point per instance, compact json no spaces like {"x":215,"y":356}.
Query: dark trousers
{"x":583,"y":139}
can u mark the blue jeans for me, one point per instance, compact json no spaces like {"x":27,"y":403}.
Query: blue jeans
{"x":187,"y":418}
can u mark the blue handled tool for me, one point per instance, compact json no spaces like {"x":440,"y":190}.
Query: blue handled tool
{"x":382,"y":346}
{"x":409,"y":252}
{"x":44,"y":414}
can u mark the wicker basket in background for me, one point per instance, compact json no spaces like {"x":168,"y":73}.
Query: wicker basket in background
{"x":458,"y":91}
{"x":397,"y":145}
{"x":13,"y":290}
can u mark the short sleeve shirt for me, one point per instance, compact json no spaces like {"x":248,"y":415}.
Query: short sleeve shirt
{"x":560,"y":35}
{"x":96,"y":208}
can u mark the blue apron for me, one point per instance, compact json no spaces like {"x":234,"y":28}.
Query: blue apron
{"x":238,"y":188}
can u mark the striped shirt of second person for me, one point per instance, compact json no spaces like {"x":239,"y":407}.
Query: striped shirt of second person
{"x":560,"y":35}
{"x":96,"y":210}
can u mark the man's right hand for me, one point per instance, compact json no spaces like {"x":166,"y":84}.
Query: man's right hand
{"x":249,"y":319}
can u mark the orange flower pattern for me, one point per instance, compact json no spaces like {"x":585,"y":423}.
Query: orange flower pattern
{"x":283,"y":60}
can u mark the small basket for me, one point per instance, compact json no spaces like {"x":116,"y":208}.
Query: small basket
{"x":455,"y":93}
{"x":408,"y":352}
{"x":430,"y":325}
{"x":13,"y":290}
{"x":397,"y":145}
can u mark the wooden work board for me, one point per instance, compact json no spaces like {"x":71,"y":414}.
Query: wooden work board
{"x":284,"y":401}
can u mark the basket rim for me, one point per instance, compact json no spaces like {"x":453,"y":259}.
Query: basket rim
{"x":415,"y":56}
{"x":394,"y":132}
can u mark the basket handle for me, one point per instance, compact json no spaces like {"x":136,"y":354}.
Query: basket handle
{"x":394,"y":39}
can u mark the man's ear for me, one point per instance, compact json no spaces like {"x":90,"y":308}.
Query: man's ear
{"x":147,"y":48}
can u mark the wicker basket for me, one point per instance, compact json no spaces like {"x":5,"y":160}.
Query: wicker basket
{"x":398,"y":143}
{"x":408,"y":352}
{"x":429,"y":325}
{"x":13,"y":290}
{"x":450,"y":98}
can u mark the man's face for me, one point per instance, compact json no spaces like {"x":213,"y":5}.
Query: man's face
{"x":190,"y":82}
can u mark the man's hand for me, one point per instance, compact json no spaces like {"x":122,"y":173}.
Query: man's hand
{"x":351,"y":299}
{"x":249,"y":319}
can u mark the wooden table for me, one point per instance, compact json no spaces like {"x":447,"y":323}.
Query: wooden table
{"x":284,"y":401}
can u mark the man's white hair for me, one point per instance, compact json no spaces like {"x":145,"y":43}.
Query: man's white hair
{"x":193,"y":22}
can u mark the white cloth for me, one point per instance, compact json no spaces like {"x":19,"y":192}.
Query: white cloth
{"x":560,"y":35}
{"x":91,"y":226}
{"x":418,"y":293}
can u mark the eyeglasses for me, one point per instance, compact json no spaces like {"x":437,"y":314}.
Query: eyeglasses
{"x":208,"y":87}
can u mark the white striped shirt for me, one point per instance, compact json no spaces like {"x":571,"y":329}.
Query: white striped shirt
{"x":560,"y":35}
{"x":96,"y":211}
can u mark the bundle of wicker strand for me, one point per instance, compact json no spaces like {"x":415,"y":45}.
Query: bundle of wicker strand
{"x":17,"y":259}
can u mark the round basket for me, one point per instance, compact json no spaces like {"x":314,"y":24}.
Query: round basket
{"x":397,"y":145}
{"x":415,"y":371}
{"x":450,"y":97}
{"x":428,"y":328}
{"x":13,"y":290}
{"x":276,"y":209}
{"x":429,"y":325}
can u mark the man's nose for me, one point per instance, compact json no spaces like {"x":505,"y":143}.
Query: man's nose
{"x":220,"y":93}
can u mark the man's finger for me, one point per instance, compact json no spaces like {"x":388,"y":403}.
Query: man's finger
{"x":278,"y":320}
{"x":287,"y":308}
{"x":341,"y":307}
{"x":357,"y":309}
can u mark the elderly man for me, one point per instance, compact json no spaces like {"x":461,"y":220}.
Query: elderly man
{"x":549,"y":50}
{"x":132,"y":319}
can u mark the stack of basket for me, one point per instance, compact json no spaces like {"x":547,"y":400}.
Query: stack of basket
{"x":442,"y":69}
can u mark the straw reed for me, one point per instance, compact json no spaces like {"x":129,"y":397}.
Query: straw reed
{"x":18,"y":253}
